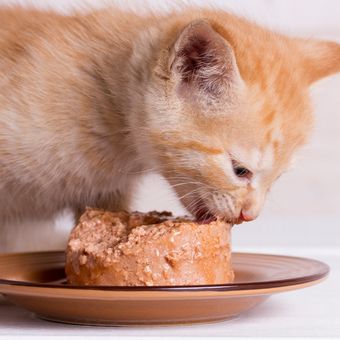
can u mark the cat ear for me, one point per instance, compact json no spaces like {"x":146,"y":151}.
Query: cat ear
{"x":203,"y":62}
{"x":320,"y":59}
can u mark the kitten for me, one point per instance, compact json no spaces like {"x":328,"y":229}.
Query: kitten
{"x":88,"y":102}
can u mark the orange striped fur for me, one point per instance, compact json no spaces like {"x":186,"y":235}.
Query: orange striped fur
{"x":90,"y":101}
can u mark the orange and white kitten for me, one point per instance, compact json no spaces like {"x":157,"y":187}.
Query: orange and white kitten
{"x":88,"y":102}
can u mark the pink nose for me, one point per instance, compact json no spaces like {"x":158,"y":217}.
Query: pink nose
{"x":246,"y":216}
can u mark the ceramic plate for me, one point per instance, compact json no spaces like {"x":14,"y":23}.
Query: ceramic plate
{"x":36,"y":281}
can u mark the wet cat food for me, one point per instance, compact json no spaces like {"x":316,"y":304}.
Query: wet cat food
{"x":151,"y":249}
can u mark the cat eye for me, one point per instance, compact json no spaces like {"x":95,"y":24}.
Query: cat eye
{"x":241,"y":171}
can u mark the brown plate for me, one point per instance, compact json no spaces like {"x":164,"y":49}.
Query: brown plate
{"x":36,"y":281}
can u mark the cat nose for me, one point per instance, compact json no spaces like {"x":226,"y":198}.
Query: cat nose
{"x":247,"y":216}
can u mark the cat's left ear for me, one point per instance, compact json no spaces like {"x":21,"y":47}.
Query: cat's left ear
{"x":202,"y":62}
{"x":320,"y":59}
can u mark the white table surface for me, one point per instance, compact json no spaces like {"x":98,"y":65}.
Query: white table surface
{"x":306,"y":313}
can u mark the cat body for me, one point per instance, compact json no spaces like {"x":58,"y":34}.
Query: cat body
{"x":65,"y":137}
{"x":89,"y":102}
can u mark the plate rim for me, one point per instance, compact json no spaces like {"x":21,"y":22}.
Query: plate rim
{"x":257,"y":286}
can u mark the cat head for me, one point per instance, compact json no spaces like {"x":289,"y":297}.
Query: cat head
{"x":228,"y":107}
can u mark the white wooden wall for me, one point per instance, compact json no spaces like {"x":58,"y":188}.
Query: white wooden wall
{"x":303,"y":208}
